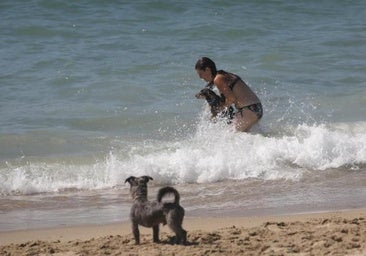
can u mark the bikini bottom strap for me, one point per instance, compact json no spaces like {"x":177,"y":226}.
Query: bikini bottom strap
{"x":256,"y":108}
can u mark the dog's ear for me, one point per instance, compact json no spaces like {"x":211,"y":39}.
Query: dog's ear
{"x":199,"y":95}
{"x":147,"y":178}
{"x":130,"y":179}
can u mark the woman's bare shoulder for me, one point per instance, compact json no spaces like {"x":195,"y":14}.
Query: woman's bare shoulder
{"x":220,"y":80}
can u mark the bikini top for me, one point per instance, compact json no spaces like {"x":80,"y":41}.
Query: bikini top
{"x":232,"y":84}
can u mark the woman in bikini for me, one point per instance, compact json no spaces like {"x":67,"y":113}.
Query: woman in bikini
{"x":235,"y":91}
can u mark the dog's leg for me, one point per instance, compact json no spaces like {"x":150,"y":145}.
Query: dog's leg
{"x":136,"y":232}
{"x":183,"y":236}
{"x":156,"y":234}
{"x":180,"y":233}
{"x":176,"y":227}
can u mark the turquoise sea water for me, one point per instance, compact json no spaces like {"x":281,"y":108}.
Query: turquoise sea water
{"x":92,"y":92}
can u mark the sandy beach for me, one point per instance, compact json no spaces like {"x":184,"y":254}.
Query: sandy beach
{"x":326,"y":233}
{"x":93,"y":92}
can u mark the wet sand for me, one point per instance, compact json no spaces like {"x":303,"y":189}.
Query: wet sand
{"x":326,"y":233}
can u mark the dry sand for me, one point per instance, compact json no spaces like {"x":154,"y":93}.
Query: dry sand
{"x":330,"y":233}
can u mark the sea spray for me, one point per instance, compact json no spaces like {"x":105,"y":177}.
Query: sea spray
{"x":214,"y":153}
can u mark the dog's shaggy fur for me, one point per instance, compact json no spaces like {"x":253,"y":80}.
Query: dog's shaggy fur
{"x":152,"y":213}
{"x":216,"y":103}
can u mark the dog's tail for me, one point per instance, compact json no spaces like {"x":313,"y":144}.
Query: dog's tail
{"x":168,"y":190}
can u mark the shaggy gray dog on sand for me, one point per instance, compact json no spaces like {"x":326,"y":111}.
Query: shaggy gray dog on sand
{"x":152,"y":213}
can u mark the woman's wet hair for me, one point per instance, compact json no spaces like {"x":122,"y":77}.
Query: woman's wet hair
{"x":204,"y":63}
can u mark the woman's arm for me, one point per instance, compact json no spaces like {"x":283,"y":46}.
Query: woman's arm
{"x":221,"y":82}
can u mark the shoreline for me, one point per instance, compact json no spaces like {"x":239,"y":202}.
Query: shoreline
{"x":202,"y":233}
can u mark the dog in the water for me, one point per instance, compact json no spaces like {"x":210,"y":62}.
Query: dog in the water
{"x":153,"y":213}
{"x":216,"y":103}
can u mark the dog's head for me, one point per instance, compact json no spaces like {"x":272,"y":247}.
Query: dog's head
{"x":138,"y":187}
{"x":214,"y":100}
{"x":205,"y":93}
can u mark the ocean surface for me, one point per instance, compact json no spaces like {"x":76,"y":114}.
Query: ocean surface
{"x":92,"y":92}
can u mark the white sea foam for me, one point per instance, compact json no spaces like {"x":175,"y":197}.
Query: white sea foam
{"x":213,"y":153}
